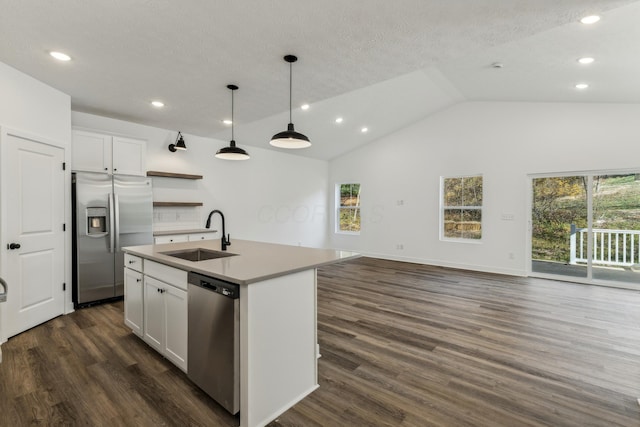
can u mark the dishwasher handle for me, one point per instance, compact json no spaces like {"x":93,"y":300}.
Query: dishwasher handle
{"x":224,"y":288}
{"x":3,"y":295}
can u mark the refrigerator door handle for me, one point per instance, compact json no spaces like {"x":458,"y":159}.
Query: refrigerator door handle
{"x":117,"y":216}
{"x":112,"y":229}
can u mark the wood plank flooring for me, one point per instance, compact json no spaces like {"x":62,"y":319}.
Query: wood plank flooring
{"x":402,"y":345}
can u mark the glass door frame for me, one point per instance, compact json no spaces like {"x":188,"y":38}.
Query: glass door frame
{"x":589,"y":279}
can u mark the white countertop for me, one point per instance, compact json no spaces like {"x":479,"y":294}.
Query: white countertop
{"x":253,"y":262}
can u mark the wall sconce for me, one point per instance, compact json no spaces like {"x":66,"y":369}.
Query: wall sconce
{"x":179,"y":145}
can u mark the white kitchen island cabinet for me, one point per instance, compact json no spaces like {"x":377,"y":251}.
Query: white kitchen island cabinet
{"x":277,"y":326}
{"x":165,"y":320}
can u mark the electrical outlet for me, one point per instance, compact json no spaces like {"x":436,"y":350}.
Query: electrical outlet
{"x":399,"y":246}
{"x":400,"y":202}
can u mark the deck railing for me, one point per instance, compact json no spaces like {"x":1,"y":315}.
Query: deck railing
{"x":610,"y":247}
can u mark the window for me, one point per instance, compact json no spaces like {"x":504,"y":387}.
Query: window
{"x":462,"y":207}
{"x":348,"y":212}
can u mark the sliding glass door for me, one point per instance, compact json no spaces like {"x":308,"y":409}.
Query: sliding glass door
{"x":587,"y":227}
{"x":616,"y":228}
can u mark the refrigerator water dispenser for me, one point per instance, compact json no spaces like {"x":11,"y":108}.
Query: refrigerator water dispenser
{"x":96,"y":221}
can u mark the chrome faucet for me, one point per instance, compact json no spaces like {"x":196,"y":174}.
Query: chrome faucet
{"x":224,"y":241}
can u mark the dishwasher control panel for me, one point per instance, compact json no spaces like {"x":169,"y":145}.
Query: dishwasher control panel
{"x":228,"y":289}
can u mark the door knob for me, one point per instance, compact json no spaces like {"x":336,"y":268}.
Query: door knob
{"x":13,"y":246}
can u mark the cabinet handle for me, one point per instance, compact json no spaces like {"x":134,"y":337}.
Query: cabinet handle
{"x":106,"y":169}
{"x":131,"y":262}
{"x":13,"y":246}
{"x":138,"y":280}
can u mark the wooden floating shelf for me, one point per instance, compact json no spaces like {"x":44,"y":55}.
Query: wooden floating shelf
{"x":175,"y":204}
{"x":173,"y":175}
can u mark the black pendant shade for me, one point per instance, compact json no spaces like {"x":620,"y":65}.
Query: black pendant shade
{"x":179,"y":145}
{"x":232,"y":152}
{"x":290,"y":138}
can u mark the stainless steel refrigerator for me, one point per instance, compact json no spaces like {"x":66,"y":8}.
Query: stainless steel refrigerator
{"x":109,"y":212}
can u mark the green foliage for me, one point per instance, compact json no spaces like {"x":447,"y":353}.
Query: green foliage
{"x":349,"y":219}
{"x":350,"y":207}
{"x":559,"y":202}
{"x":463,"y":191}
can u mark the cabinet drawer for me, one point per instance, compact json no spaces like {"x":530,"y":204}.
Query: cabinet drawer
{"x":174,"y":238}
{"x":133,"y":262}
{"x":201,"y":236}
{"x":170,"y":275}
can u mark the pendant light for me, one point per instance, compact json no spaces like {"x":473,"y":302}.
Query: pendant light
{"x":290,"y":138}
{"x":232,"y":152}
{"x":179,"y":145}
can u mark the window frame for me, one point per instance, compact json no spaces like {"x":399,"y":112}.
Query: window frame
{"x":339,"y":207}
{"x":444,"y":208}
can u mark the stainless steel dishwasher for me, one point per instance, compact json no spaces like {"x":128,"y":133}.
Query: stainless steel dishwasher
{"x":213,"y":339}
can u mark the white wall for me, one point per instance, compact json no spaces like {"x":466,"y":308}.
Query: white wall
{"x":502,"y":141}
{"x":275,"y":197}
{"x":31,"y":106}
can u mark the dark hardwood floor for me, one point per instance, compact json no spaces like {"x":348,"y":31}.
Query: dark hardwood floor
{"x":402,"y":345}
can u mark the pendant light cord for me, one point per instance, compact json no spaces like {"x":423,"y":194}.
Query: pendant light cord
{"x":232,"y":120}
{"x":290,"y":90}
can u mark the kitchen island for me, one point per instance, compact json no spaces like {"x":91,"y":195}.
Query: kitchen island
{"x":277,"y":325}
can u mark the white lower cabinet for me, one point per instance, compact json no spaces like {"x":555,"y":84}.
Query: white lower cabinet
{"x":133,"y":297}
{"x":133,"y":293}
{"x":155,"y":306}
{"x":173,"y":238}
{"x":165,"y":320}
{"x":176,"y":238}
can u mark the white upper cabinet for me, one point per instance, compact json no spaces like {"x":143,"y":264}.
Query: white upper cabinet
{"x":91,"y":152}
{"x":129,"y":156}
{"x":96,"y":152}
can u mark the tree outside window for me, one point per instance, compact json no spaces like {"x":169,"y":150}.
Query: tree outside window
{"x":462,"y":207}
{"x":348,"y":212}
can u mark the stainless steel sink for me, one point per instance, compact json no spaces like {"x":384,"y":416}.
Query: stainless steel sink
{"x":198,"y":254}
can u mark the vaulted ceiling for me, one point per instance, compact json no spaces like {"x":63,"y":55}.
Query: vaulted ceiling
{"x":378,"y":64}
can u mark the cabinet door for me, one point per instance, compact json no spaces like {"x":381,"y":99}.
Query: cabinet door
{"x":175,"y":301}
{"x":201,"y":236}
{"x":129,"y":156}
{"x":90,"y":152}
{"x":133,"y":297}
{"x":153,"y":310}
{"x":133,"y":262}
{"x":173,"y":238}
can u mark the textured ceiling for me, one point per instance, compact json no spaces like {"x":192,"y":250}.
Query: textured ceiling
{"x":378,"y":63}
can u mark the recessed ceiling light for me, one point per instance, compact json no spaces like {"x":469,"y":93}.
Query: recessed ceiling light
{"x":592,"y":19}
{"x":157,"y":104}
{"x":582,"y":86}
{"x":586,"y":60}
{"x":364,"y":130}
{"x":339,"y":120}
{"x":60,"y":56}
{"x":305,"y":106}
{"x":227,"y":121}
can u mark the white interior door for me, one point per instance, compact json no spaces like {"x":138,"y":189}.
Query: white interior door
{"x":33,"y":237}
